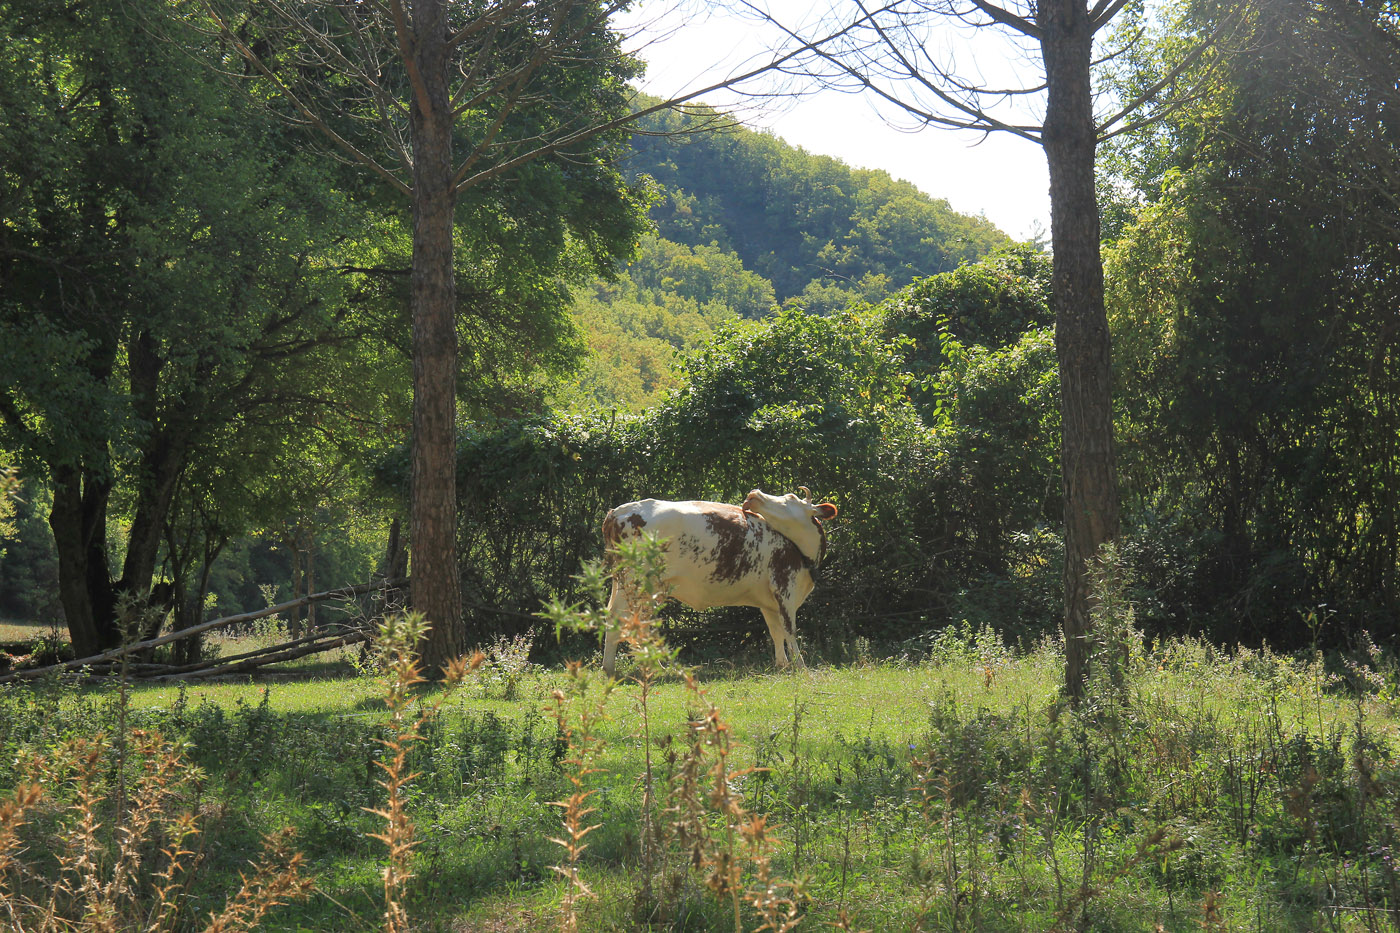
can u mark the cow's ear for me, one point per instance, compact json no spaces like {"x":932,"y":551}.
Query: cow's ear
{"x":826,"y":511}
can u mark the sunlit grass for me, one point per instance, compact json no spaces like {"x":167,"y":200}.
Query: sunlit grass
{"x":837,"y":745}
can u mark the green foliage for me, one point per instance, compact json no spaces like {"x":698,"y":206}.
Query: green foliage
{"x":796,"y":399}
{"x":991,"y":303}
{"x":178,"y":313}
{"x":934,"y":517}
{"x":714,"y":279}
{"x":186,"y":285}
{"x":28,"y":564}
{"x":532,"y":494}
{"x":795,"y":218}
{"x":9,"y":495}
{"x":670,"y":298}
{"x":1252,"y":295}
{"x":988,"y":304}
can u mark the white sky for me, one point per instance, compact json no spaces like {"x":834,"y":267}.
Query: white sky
{"x":1001,"y":177}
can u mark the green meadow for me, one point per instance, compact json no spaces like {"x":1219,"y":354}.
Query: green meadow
{"x":951,"y":791}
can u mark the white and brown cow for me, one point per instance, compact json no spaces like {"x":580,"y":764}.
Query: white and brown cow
{"x":762,"y":554}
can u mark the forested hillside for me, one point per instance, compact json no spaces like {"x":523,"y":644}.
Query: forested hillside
{"x":744,"y":223}
{"x":802,"y":221}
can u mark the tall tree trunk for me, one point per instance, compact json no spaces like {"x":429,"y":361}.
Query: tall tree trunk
{"x":1081,"y":325}
{"x":436,"y":590}
{"x":78,"y":519}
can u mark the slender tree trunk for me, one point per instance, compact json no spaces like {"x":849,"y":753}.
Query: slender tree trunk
{"x":436,"y":591}
{"x":292,"y":542}
{"x":159,"y":470}
{"x":1081,"y":325}
{"x":395,"y":557}
{"x":161,"y":474}
{"x":191,"y":609}
{"x":310,"y":563}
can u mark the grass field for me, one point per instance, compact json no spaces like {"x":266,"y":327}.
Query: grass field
{"x":14,"y":632}
{"x":1201,"y":790}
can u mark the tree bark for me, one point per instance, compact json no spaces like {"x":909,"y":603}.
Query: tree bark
{"x":291,"y":540}
{"x":162,"y":466}
{"x":309,"y":560}
{"x":436,"y":589}
{"x":1081,"y":325}
{"x":78,"y":520}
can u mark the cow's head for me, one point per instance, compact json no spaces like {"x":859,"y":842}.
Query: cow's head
{"x":795,"y":517}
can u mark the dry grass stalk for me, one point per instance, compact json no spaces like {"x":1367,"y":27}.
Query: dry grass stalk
{"x":584,"y":747}
{"x":717,"y":837}
{"x":1212,"y":913}
{"x":134,"y":876}
{"x":705,"y":788}
{"x":275,"y":880}
{"x":843,"y":922}
{"x":640,"y":578}
{"x":399,"y":637}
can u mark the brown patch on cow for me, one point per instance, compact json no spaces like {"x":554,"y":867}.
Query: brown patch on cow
{"x":787,"y":561}
{"x":733,"y":555}
{"x":612,"y":531}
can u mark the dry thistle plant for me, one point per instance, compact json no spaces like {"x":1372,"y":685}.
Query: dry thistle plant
{"x":133,"y":876}
{"x":843,"y":922}
{"x":641,"y":564}
{"x":936,"y":792}
{"x":1212,"y":913}
{"x":710,"y":823}
{"x":579,"y":731}
{"x":269,"y":886}
{"x":399,"y":636}
{"x":716,"y":835}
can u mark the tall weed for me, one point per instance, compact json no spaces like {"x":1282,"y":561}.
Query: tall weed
{"x":704,"y":828}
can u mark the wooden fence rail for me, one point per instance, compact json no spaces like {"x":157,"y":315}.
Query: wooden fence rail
{"x":112,"y":654}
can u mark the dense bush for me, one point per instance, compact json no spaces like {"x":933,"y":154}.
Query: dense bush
{"x":932,"y":509}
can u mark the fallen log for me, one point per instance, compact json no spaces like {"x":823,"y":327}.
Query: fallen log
{"x":271,"y":654}
{"x":290,"y":654}
{"x":113,"y":653}
{"x":326,"y":634}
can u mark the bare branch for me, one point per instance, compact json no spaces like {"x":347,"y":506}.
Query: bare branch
{"x":491,"y":20}
{"x":1105,"y":128}
{"x":405,"y":38}
{"x":516,"y":84}
{"x":1103,"y":13}
{"x":305,"y":110}
{"x":467,"y":180}
{"x":1007,"y":18}
{"x":968,"y":114}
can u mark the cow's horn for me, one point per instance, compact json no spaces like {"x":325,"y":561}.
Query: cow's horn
{"x":806,"y":494}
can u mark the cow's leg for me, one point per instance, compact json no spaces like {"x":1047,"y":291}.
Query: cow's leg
{"x":778,"y":632}
{"x":796,"y":651}
{"x":617,"y":607}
